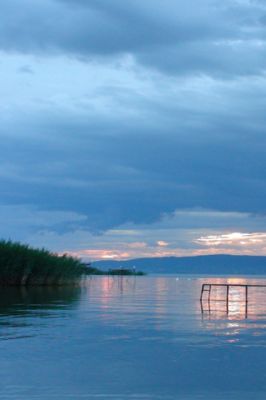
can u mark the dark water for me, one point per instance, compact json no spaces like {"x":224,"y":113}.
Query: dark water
{"x":139,"y":338}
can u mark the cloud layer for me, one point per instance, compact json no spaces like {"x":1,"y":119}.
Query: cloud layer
{"x":117,"y":114}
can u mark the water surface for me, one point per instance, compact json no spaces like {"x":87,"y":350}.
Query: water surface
{"x":140,"y":338}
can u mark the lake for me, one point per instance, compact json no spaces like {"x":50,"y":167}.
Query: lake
{"x":137,"y":338}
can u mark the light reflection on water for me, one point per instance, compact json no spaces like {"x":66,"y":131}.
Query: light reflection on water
{"x":238,"y":322}
{"x":133,"y":338}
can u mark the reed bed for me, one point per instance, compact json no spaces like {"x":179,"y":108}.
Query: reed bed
{"x":124,"y":271}
{"x":22,"y":265}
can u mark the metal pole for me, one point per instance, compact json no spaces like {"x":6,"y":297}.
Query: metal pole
{"x":227,"y":299}
{"x":202,"y":290}
{"x":246,"y":303}
{"x":209,"y":297}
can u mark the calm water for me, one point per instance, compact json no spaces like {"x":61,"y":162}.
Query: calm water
{"x":142,"y":338}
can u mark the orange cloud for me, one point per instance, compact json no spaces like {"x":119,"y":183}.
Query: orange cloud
{"x":253,"y":243}
{"x":99,"y":254}
{"x":162,"y":243}
{"x":137,"y":245}
{"x":121,"y":254}
{"x":228,"y":243}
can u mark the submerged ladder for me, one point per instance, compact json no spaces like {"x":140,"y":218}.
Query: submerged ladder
{"x":207,"y":287}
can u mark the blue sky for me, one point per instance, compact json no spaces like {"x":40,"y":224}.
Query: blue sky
{"x":133,"y":128}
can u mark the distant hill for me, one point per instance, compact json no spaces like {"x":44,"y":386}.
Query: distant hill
{"x":211,"y":265}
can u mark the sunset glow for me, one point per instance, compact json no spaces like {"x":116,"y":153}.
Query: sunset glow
{"x":117,"y":248}
{"x":234,"y":238}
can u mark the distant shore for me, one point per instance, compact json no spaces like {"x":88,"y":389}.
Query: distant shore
{"x":218,"y":264}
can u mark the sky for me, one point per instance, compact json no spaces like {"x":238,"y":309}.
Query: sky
{"x":133,"y":128}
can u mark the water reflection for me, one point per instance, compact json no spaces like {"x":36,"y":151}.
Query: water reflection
{"x":22,"y":307}
{"x":166,"y":293}
{"x":236,"y":320}
{"x":226,"y":299}
{"x":132,"y":338}
{"x":170,"y":307}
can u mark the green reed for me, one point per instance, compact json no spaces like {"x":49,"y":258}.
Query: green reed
{"x":23,"y":265}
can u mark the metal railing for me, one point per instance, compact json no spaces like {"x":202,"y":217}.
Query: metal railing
{"x":207,"y":288}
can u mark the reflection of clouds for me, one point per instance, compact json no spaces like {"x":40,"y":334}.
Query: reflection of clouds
{"x":237,"y":300}
{"x":156,"y":302}
{"x":105,"y":286}
{"x":236,"y":306}
{"x":168,"y":309}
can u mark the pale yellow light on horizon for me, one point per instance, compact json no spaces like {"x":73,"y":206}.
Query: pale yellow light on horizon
{"x":233,"y":238}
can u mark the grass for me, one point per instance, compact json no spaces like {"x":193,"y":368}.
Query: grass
{"x":22,"y":265}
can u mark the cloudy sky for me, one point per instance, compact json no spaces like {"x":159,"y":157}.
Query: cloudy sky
{"x":133,"y":128}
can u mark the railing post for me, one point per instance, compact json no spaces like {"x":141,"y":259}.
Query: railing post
{"x":227,"y":299}
{"x":209,"y":296}
{"x":202,"y":290}
{"x":246,"y":304}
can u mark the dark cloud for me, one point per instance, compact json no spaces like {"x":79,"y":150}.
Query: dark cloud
{"x":136,"y":175}
{"x":137,"y":144}
{"x":223,"y":60}
{"x":182,"y":38}
{"x":25,"y":69}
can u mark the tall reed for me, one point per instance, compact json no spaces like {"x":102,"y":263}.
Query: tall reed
{"x":22,"y":265}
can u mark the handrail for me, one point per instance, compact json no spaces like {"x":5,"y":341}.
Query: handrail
{"x":207,"y":287}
